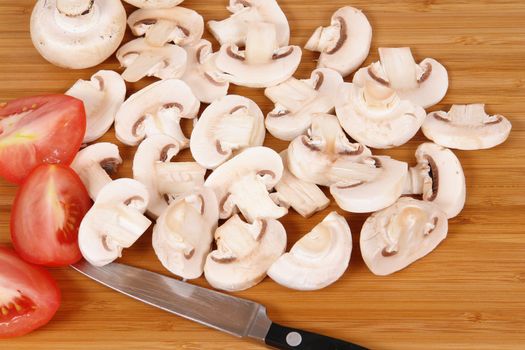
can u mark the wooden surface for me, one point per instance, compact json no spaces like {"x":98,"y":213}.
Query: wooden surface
{"x":467,"y":294}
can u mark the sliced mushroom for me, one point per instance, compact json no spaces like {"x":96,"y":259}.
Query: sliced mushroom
{"x":374,"y":193}
{"x":376,"y":116}
{"x":345,"y":44}
{"x":156,"y":109}
{"x":143,"y":60}
{"x":244,"y":253}
{"x":439,"y":177}
{"x":425,"y":84}
{"x":262,"y":63}
{"x":246,"y":13}
{"x":296,"y":102}
{"x":397,"y":236}
{"x":115,"y":221}
{"x":154,"y":4}
{"x":102,"y":97}
{"x":179,"y":25}
{"x":305,"y":197}
{"x":77,"y":34}
{"x":326,"y":157}
{"x":318,"y":259}
{"x":243,"y":183}
{"x":467,"y":127}
{"x":202,"y":74}
{"x":229,"y":124}
{"x":94,"y":164}
{"x":184,"y":232}
{"x":164,"y":179}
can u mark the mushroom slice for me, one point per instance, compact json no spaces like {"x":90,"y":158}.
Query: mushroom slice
{"x":77,"y":34}
{"x":243,"y":183}
{"x":296,"y":101}
{"x":305,"y":197}
{"x":156,"y":109}
{"x":102,"y":97}
{"x":425,"y":84}
{"x":466,"y":127}
{"x":143,"y":60}
{"x":246,"y":13}
{"x":229,"y":124}
{"x":202,"y":74}
{"x":345,"y":44}
{"x":244,"y":253}
{"x":326,"y":157}
{"x":262,"y":63}
{"x":154,"y":4}
{"x":439,"y":177}
{"x":164,"y":179}
{"x":397,"y":236}
{"x":179,"y":25}
{"x":318,"y":259}
{"x":183,"y":234}
{"x":376,"y":116}
{"x":115,"y":221}
{"x":374,"y":193}
{"x":94,"y":164}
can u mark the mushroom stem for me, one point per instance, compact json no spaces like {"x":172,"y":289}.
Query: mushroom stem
{"x":123,"y":225}
{"x":261,"y":43}
{"x":160,"y":32}
{"x":174,"y":178}
{"x":346,"y":171}
{"x":414,"y":181}
{"x":324,"y":38}
{"x":400,"y":67}
{"x":166,"y":121}
{"x":145,"y":64}
{"x":292,"y":94}
{"x":235,"y":130}
{"x":94,"y":177}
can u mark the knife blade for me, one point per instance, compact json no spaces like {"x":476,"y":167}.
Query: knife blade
{"x":236,"y":316}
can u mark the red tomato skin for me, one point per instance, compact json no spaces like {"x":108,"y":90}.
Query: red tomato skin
{"x":32,"y":233}
{"x":35,"y":283}
{"x":63,"y":120}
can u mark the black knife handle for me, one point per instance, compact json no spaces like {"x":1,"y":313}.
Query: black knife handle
{"x":285,"y":338}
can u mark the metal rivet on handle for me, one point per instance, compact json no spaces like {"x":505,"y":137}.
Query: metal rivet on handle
{"x":294,"y":339}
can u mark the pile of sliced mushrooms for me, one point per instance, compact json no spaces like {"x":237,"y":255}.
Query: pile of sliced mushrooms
{"x":250,"y":186}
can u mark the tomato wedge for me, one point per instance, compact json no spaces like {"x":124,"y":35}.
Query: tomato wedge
{"x":42,"y":129}
{"x":46,"y":215}
{"x":29,"y":296}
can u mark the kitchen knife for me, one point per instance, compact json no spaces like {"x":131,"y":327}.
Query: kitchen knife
{"x":226,"y":313}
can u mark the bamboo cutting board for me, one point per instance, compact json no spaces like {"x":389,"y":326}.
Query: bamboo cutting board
{"x":467,"y":294}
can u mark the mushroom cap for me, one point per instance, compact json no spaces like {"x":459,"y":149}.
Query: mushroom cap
{"x":160,"y":26}
{"x":229,"y":124}
{"x":156,"y":109}
{"x":296,"y":102}
{"x":262,"y":63}
{"x":243,"y":183}
{"x":466,"y":127}
{"x":77,"y":40}
{"x":154,"y":4}
{"x":375,"y":193}
{"x":114,"y":222}
{"x":424,"y":84}
{"x":245,"y":13}
{"x":94,"y":163}
{"x":102,"y":97}
{"x":326,"y":157}
{"x":318,"y":259}
{"x":244,"y":253}
{"x":183,"y":234}
{"x":344,"y":45}
{"x":376,"y":116}
{"x":143,"y":60}
{"x":202,"y":74}
{"x":395,"y":237}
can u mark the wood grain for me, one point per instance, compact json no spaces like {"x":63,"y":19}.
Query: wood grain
{"x":468,"y":294}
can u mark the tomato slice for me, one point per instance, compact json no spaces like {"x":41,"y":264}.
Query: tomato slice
{"x":46,"y":215}
{"x":29,"y":296}
{"x":41,"y":129}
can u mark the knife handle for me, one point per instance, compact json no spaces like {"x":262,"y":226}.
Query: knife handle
{"x":285,"y":338}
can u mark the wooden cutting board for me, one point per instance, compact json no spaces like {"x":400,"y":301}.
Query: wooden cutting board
{"x":468,"y":294}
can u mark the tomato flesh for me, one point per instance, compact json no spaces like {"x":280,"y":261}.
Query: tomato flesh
{"x":41,"y":129}
{"x":48,"y":209}
{"x":29,"y":296}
